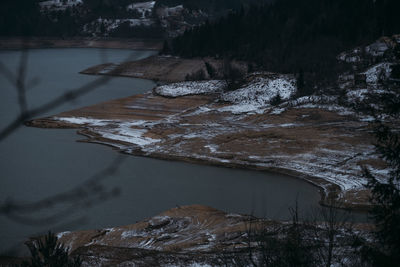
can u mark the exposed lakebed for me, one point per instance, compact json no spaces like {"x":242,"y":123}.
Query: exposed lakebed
{"x":39,"y":163}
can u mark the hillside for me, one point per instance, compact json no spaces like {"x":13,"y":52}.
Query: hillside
{"x":102,"y":18}
{"x":291,"y":36}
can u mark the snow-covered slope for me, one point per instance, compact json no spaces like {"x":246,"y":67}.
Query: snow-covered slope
{"x":257,"y":95}
{"x":59,"y":4}
{"x":144,"y":8}
{"x":254,"y":96}
{"x":378,"y":72}
{"x":106,"y":26}
{"x":190,"y":88}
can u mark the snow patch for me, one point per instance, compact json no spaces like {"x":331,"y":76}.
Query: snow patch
{"x":84,"y":121}
{"x":127,"y":134}
{"x":377,"y":49}
{"x":129,"y":234}
{"x":59,"y":4}
{"x":378,"y":72}
{"x":356,"y":95}
{"x":198,"y":111}
{"x":243,"y":108}
{"x":277,"y":111}
{"x":212,"y":148}
{"x":109,"y":25}
{"x":121,"y":130}
{"x":257,"y":94}
{"x":143,"y":8}
{"x":60,"y":235}
{"x":190,"y":88}
{"x":195,"y":264}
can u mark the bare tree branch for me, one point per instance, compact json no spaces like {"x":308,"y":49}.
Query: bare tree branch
{"x":55,"y":209}
{"x":87,"y":193}
{"x":20,"y":82}
{"x":28,"y":114}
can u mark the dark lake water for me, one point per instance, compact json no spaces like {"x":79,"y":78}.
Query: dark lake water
{"x":40,"y":163}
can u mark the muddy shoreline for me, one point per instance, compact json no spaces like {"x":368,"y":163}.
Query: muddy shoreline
{"x":12,"y":43}
{"x":184,"y":235}
{"x":320,"y":184}
{"x":322,"y":145}
{"x":113,"y":110}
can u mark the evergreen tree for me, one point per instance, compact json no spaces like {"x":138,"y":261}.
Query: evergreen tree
{"x":300,"y":83}
{"x":288,"y":35}
{"x":49,"y":253}
{"x":386,"y":194}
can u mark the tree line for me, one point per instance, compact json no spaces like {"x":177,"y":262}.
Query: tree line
{"x":24,"y":17}
{"x":292,"y":36}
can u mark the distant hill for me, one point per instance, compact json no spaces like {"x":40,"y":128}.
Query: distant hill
{"x":211,"y":6}
{"x":291,"y":35}
{"x":117,"y":18}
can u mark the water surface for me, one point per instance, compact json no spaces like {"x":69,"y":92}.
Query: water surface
{"x":39,"y":163}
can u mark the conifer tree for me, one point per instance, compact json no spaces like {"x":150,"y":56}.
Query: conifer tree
{"x":386,"y":193}
{"x":50,"y":253}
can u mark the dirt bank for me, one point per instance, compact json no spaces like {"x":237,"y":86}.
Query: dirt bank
{"x":185,"y":236}
{"x":38,"y":42}
{"x":166,"y":69}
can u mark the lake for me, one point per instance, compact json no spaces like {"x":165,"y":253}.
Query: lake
{"x":41,"y":163}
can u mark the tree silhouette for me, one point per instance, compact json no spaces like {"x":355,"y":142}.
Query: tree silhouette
{"x":386,"y":194}
{"x":50,"y":253}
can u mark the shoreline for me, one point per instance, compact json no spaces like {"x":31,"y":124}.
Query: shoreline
{"x":316,"y":182}
{"x":107,"y":116}
{"x":321,"y":145}
{"x":166,"y":69}
{"x":12,"y":43}
{"x":182,"y":234}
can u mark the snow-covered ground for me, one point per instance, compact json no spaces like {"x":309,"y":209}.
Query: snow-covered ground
{"x":377,"y":72}
{"x":257,"y":95}
{"x":59,"y":4}
{"x":314,"y":101}
{"x":334,"y":165}
{"x":144,"y":8}
{"x":112,"y":24}
{"x":84,"y":121}
{"x":376,"y":49}
{"x":190,"y":88}
{"x":199,"y":236}
{"x":127,"y":132}
{"x":261,"y":90}
{"x":106,"y":26}
{"x":313,"y":136}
